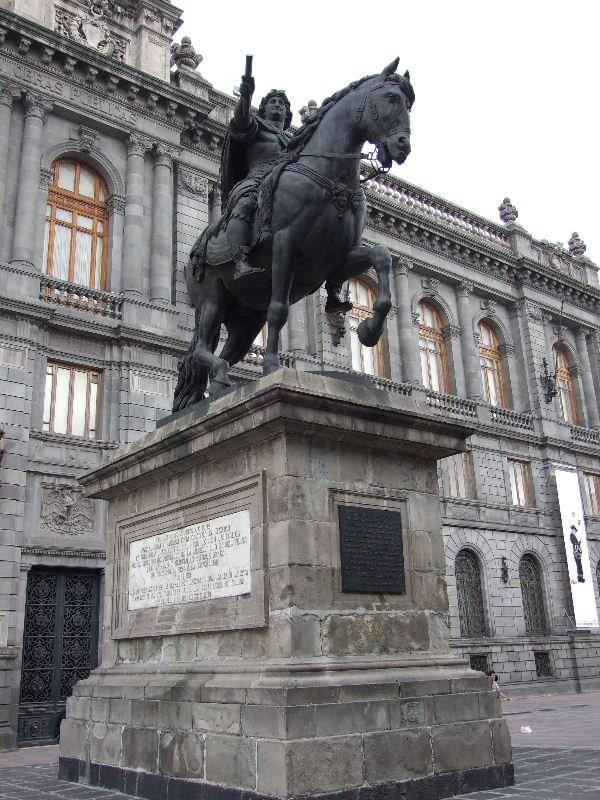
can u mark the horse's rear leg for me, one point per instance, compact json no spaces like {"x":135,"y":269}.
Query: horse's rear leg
{"x":277,"y":313}
{"x":208,"y":324}
{"x":242,"y":330}
{"x":359,"y":260}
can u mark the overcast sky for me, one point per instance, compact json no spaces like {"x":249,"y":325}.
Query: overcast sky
{"x":508,"y":92}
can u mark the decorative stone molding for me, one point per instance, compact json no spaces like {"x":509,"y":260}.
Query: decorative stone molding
{"x":465,"y":288}
{"x":36,"y":106}
{"x":506,"y":349}
{"x":8,"y":94}
{"x":66,"y":511}
{"x":88,"y":139}
{"x":576,"y":245}
{"x":430,"y":286}
{"x":164,"y":154}
{"x":92,"y":29}
{"x":532,"y":310}
{"x":138,"y":145}
{"x":24,"y":45}
{"x":402,"y":265}
{"x":116,"y":205}
{"x":46,"y":177}
{"x":508,"y":212}
{"x":47,"y":55}
{"x":489,"y":305}
{"x":451,"y":331}
{"x":193,"y":182}
{"x":184,"y":56}
{"x":416,"y":320}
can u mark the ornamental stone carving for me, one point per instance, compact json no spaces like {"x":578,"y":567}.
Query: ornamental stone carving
{"x":66,"y":511}
{"x":183,"y":56}
{"x":576,"y":245}
{"x":92,"y":29}
{"x":36,"y":106}
{"x":194,"y":183}
{"x":87,"y":139}
{"x":46,"y":177}
{"x":116,"y":205}
{"x":138,"y":145}
{"x":508,"y":212}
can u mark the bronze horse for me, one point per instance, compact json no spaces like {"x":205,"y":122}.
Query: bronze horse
{"x":312,"y":211}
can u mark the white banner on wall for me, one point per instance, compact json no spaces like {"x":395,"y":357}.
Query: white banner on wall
{"x":576,"y":548}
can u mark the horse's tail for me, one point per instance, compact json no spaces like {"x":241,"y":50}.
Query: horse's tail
{"x":192,"y":379}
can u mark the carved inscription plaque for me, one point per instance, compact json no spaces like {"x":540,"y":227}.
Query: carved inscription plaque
{"x":199,"y":562}
{"x":371,"y":550}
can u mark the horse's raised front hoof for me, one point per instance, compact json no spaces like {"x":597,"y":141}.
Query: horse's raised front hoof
{"x":368,"y":335}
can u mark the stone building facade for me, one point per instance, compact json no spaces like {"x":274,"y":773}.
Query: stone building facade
{"x":109,"y":158}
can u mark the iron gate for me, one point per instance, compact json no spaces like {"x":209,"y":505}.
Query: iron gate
{"x":60,"y":647}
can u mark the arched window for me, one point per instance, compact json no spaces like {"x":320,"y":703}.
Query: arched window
{"x":470,"y":594}
{"x":432,"y":348}
{"x":492,"y":367}
{"x":564,"y":386}
{"x":75,"y":245}
{"x":364,"y":359}
{"x":532,"y":593}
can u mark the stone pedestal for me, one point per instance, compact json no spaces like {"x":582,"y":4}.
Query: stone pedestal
{"x":315,"y":661}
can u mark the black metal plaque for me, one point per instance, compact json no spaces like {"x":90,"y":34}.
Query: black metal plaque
{"x":371,"y":550}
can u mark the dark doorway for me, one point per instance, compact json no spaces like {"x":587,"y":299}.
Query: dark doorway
{"x":60,"y":647}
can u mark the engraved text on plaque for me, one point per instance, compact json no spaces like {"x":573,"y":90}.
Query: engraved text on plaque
{"x":199,"y":562}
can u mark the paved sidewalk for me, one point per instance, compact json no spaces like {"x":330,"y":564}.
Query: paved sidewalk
{"x":558,"y":760}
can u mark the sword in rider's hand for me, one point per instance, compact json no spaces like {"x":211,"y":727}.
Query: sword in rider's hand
{"x":247,"y":87}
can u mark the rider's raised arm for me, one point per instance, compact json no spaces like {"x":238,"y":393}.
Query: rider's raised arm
{"x":244,"y":125}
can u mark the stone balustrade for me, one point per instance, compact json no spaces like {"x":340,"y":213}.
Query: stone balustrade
{"x":512,"y":419}
{"x":452,"y":405}
{"x":403,"y":194}
{"x":587,"y":435}
{"x":108,"y":304}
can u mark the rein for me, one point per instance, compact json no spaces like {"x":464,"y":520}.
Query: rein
{"x":376,"y":170}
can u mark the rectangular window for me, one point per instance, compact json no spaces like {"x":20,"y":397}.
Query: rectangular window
{"x":521,"y":487}
{"x":71,"y":401}
{"x":592,"y":492}
{"x":458,"y":477}
{"x":543,"y":665}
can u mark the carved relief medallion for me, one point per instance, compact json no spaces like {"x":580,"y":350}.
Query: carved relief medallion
{"x":66,"y":511}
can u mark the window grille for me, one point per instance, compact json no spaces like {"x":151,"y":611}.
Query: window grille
{"x":470,"y":596}
{"x":479,"y":662}
{"x":532,"y":593}
{"x":543,"y":666}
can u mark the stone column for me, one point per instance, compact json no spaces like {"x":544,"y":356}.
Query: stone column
{"x":162,"y":226}
{"x":591,"y":403}
{"x":7,"y":98}
{"x":23,"y":247}
{"x":134,"y":217}
{"x":409,"y":347}
{"x":470,"y":353}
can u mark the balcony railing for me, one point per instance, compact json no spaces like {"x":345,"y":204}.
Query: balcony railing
{"x":107,"y":304}
{"x":587,"y":435}
{"x":452,"y":405}
{"x":512,"y":419}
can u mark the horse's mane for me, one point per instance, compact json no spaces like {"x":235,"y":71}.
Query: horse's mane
{"x":303,"y":135}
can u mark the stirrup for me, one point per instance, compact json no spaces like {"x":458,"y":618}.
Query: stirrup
{"x":241,"y":266}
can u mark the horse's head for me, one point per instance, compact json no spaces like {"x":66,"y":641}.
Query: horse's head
{"x":384,"y":114}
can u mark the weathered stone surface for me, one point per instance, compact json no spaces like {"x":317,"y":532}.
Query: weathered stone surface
{"x":181,"y":754}
{"x":105,"y":743}
{"x":216,"y":717}
{"x":230,"y":760}
{"x":456,"y":707}
{"x":140,"y":749}
{"x":397,"y":755}
{"x":74,"y":739}
{"x":358,"y":634}
{"x":315,"y":765}
{"x":461,"y":746}
{"x":501,"y":742}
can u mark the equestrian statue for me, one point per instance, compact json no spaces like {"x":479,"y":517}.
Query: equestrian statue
{"x":293,"y":212}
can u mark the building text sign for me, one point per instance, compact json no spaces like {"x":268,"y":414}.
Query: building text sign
{"x":199,"y":562}
{"x":576,"y":549}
